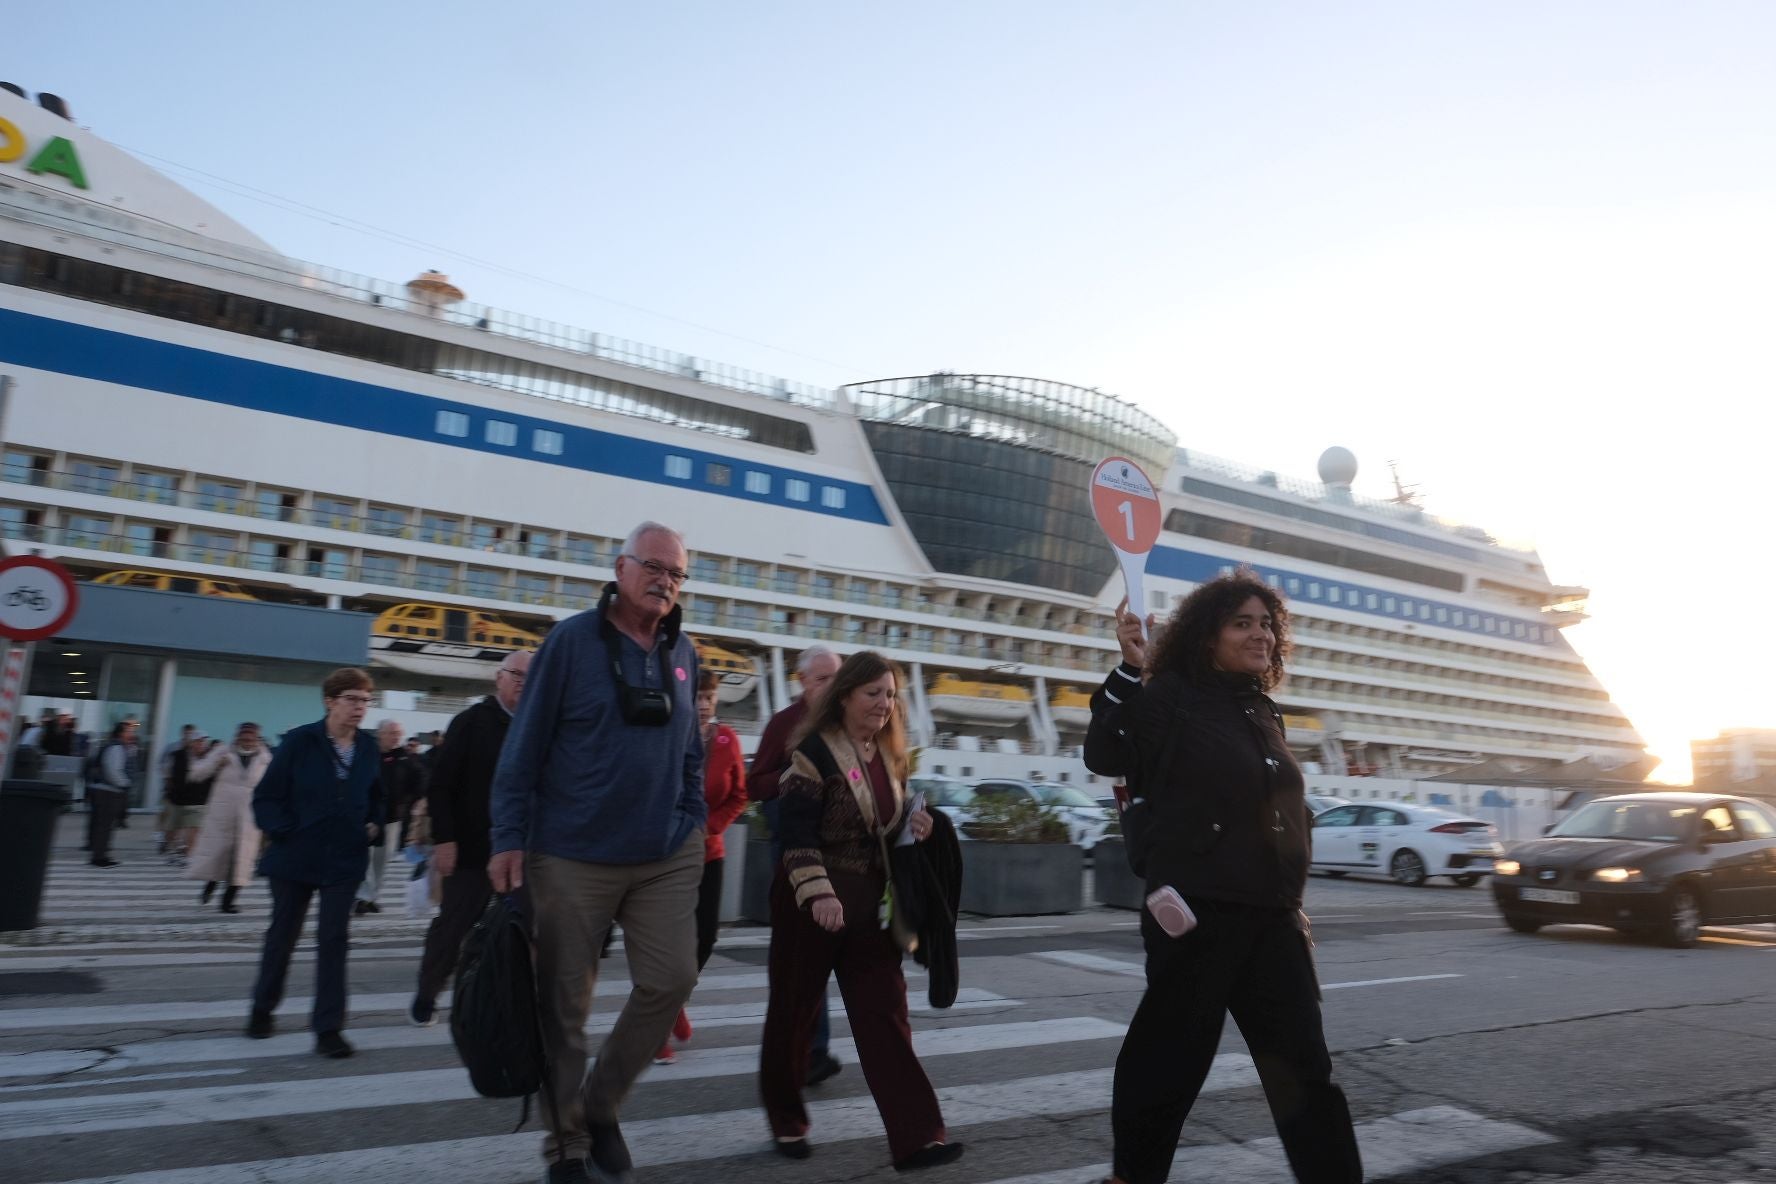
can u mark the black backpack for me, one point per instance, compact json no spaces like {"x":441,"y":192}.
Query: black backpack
{"x":494,"y":1018}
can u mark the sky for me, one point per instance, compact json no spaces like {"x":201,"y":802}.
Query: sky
{"x":1521,"y":249}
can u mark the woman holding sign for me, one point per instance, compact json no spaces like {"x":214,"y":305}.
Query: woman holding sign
{"x":1219,"y":827}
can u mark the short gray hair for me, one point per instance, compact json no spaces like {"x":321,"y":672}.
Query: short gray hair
{"x":647,"y":528}
{"x":389,"y":723}
{"x":806,"y":658}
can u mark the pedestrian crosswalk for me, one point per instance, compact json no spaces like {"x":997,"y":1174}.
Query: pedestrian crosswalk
{"x":144,"y":1077}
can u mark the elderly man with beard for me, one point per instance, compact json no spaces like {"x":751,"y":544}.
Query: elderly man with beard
{"x":598,"y":807}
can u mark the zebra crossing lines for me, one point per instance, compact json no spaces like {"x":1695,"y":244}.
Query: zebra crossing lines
{"x":1086,"y":960}
{"x":187,"y":1106}
{"x":1416,"y":1140}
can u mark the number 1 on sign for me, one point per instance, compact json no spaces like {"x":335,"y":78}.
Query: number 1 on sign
{"x":1127,"y":510}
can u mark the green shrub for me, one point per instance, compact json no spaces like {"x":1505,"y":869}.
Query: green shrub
{"x":1000,"y":819}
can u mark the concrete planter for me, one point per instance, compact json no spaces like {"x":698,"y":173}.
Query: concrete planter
{"x":755,"y":879}
{"x":1113,"y":883}
{"x":1022,"y":879}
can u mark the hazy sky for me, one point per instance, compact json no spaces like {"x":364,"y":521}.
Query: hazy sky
{"x":1524,"y":249}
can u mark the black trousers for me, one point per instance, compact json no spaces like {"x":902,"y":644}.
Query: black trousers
{"x":466,"y":893}
{"x":104,"y":807}
{"x":1254,"y":963}
{"x":709,"y":907}
{"x":289,"y":908}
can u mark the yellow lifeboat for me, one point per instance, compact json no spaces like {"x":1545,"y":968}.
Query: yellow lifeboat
{"x":955,"y":697}
{"x":739,"y":677}
{"x":1070,"y":707}
{"x":445,"y":642}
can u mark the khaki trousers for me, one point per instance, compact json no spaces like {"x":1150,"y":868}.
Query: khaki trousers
{"x":575,"y":903}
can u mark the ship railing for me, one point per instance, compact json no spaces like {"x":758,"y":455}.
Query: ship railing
{"x":509,"y":587}
{"x":169,"y":243}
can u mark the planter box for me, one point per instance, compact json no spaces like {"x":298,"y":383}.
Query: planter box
{"x":1113,"y":883}
{"x":1022,"y":879}
{"x":755,"y":879}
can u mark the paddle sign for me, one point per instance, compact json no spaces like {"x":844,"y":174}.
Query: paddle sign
{"x":1126,"y":506}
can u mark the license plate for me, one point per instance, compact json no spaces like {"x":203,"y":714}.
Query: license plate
{"x":1549,"y":895}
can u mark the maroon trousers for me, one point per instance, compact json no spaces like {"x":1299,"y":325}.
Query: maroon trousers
{"x":867,"y":965}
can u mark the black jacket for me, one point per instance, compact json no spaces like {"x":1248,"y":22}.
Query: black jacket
{"x":314,"y":820}
{"x":181,"y":790}
{"x":462,"y":780}
{"x":1230,"y":821}
{"x":403,"y":784}
{"x":927,"y":891}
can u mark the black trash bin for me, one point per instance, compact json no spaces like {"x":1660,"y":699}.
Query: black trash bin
{"x":28,"y":813}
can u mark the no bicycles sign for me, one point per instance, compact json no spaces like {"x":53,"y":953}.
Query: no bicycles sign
{"x":37,"y":598}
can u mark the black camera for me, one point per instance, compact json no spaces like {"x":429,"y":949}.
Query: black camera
{"x":643,"y":706}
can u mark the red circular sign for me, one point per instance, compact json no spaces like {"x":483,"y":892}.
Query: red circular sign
{"x":1126,"y":505}
{"x":38,"y":598}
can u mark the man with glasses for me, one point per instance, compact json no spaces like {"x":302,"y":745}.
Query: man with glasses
{"x":462,"y":782}
{"x":598,"y":808}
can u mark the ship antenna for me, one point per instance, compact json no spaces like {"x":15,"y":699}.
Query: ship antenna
{"x":1404,"y":494}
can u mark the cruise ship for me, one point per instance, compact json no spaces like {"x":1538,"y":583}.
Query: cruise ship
{"x":187,"y":409}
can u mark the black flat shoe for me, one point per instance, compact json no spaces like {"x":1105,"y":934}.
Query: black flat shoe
{"x":822,"y":1068}
{"x":260,"y":1025}
{"x":209,"y":890}
{"x":930,"y":1157}
{"x":798,"y":1148}
{"x":332,"y":1045}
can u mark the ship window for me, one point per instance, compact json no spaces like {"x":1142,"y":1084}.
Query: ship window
{"x":1424,"y":612}
{"x":1158,"y":600}
{"x":208,"y":546}
{"x":1372,"y":601}
{"x":1334,"y":595}
{"x":547,"y":442}
{"x":1491,"y":625}
{"x":718,"y":474}
{"x":1442,"y":615}
{"x":579,"y":550}
{"x":795,"y":489}
{"x":1294,"y":586}
{"x":381,"y":569}
{"x":334,"y":512}
{"x":451,"y":423}
{"x":502,"y":433}
{"x":757,"y":482}
{"x":432,"y":576}
{"x":832,"y":497}
{"x":439,"y":528}
{"x":482,"y":582}
{"x":678,"y":468}
{"x":1458,"y":618}
{"x":219,"y":496}
{"x":535,"y":589}
{"x":1313,"y":590}
{"x":387,"y":521}
{"x":1389,"y":604}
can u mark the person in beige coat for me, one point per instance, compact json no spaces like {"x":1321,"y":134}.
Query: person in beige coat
{"x":228,"y":846}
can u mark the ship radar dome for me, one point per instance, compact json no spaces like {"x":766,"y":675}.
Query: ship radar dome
{"x":1338,"y":466}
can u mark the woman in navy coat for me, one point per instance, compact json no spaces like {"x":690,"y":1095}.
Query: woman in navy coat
{"x":320,"y":808}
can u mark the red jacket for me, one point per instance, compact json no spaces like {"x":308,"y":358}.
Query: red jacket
{"x":724,"y":787}
{"x":771,"y":757}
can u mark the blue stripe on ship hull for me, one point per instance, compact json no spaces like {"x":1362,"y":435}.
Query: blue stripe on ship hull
{"x":84,"y":351}
{"x":1174,"y":563}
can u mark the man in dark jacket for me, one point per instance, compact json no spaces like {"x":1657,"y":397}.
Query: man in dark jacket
{"x":403,"y":784}
{"x":320,"y":806}
{"x":462,"y":781}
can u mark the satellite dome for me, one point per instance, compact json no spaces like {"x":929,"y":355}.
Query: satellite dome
{"x":1338,"y":466}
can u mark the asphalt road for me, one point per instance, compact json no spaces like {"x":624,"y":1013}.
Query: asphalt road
{"x":1468,"y":1054}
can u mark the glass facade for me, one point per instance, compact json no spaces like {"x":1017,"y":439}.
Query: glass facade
{"x":994,"y":510}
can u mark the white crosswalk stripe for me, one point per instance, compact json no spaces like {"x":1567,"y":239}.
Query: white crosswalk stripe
{"x":148,"y":1086}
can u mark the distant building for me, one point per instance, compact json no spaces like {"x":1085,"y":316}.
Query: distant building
{"x":1737,"y":755}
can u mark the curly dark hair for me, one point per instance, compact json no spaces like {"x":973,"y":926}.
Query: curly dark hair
{"x":1187,"y":639}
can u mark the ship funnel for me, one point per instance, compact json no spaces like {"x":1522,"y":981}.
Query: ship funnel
{"x":431,"y":291}
{"x":53,"y":104}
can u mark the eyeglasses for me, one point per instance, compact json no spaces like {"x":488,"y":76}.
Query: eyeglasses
{"x":514,"y":675}
{"x":354,"y":700}
{"x":660,"y":570}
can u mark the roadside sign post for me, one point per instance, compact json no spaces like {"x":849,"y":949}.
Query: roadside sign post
{"x":38,"y":598}
{"x":1126,"y":505}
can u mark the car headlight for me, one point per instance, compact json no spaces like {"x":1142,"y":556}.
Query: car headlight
{"x":1617,"y":875}
{"x":1506,"y":867}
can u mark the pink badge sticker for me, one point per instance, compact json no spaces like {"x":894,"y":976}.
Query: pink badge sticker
{"x":680,"y":671}
{"x":721,"y":739}
{"x":856,"y":775}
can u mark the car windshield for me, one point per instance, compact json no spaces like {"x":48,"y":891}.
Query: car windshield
{"x":1648,"y":822}
{"x":1063,"y":795}
{"x":941,"y":793}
